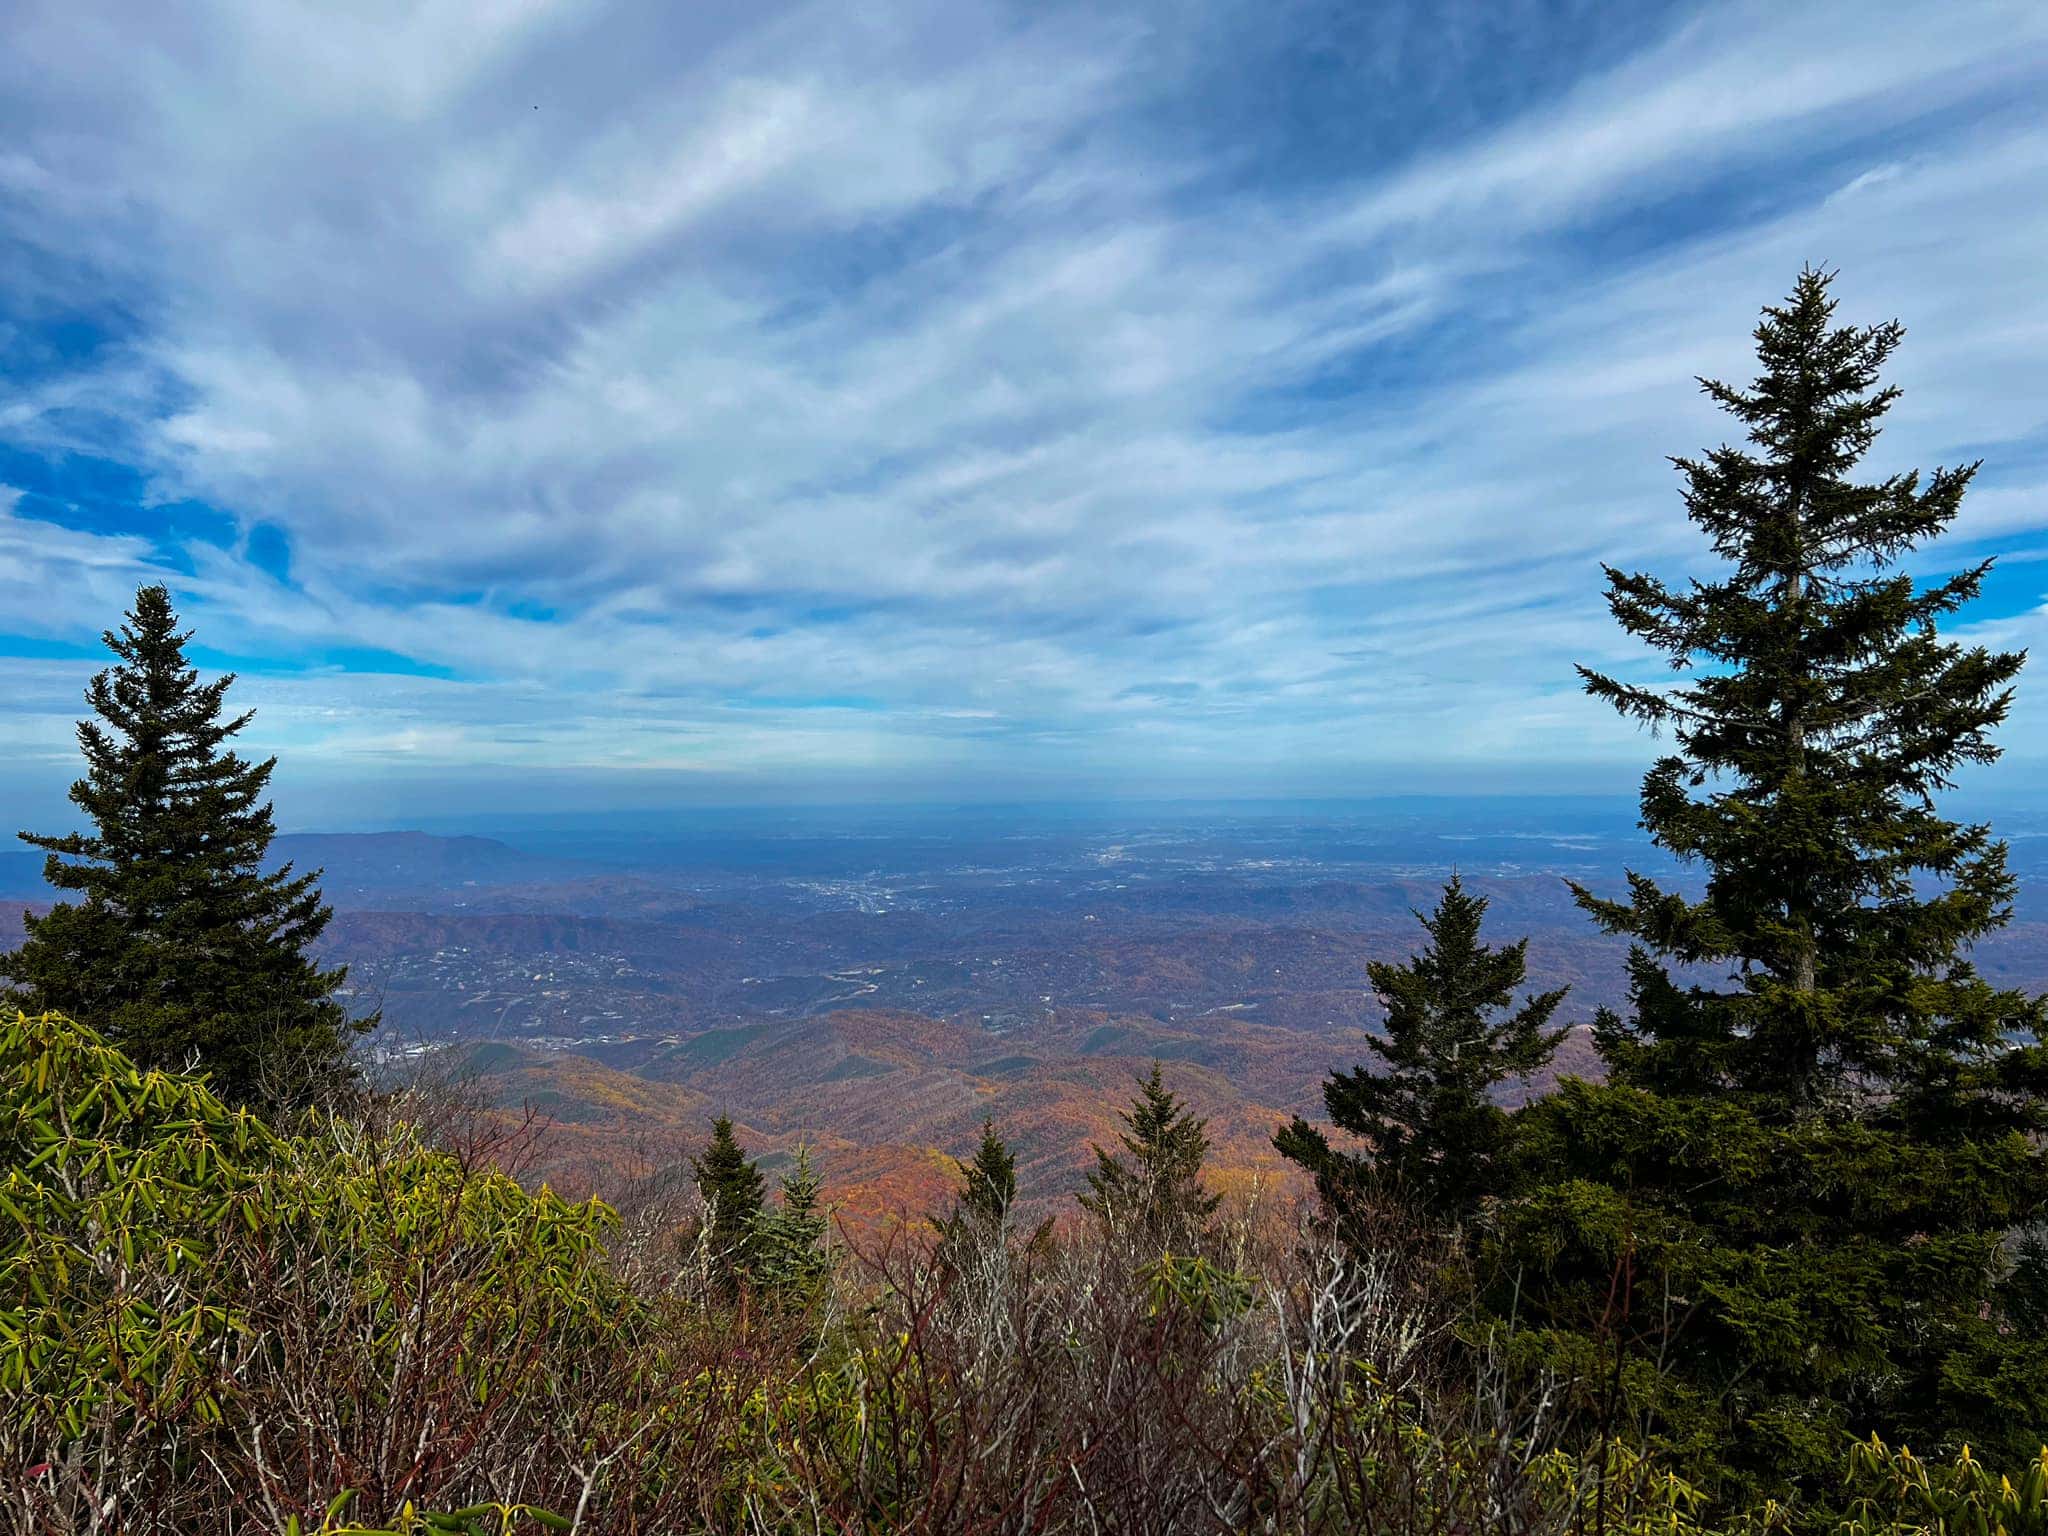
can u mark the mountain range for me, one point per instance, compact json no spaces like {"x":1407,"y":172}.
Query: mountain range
{"x":877,"y":993}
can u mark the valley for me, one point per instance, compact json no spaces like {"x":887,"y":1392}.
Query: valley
{"x":873,"y":985}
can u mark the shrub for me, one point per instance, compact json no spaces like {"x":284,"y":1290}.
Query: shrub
{"x":196,"y":1307}
{"x":347,"y":1326}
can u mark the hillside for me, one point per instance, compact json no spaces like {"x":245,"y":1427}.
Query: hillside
{"x":879,"y":998}
{"x":888,"y":1100}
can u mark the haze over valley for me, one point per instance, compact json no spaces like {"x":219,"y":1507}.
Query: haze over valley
{"x":875,"y":981}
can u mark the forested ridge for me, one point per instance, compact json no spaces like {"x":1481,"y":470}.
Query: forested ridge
{"x":1782,"y":1266}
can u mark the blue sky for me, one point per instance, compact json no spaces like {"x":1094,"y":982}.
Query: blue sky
{"x":551,"y":402}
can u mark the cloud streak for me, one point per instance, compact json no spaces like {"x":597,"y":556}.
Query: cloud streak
{"x":664,"y":384}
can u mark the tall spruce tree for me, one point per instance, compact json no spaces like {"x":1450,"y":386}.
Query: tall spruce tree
{"x":732,"y":1188}
{"x":183,"y":948}
{"x":1784,"y":1218}
{"x":1433,"y":1132}
{"x":1156,"y":1197}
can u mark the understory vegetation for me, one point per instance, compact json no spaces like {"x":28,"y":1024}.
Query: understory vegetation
{"x":364,"y":1322}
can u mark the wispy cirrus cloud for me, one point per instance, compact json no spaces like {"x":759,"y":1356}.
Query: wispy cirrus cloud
{"x":938,"y":393}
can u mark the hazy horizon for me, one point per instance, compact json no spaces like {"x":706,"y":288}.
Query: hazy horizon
{"x":515,"y":807}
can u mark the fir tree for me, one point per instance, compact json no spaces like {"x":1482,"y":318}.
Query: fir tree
{"x":977,"y":1228}
{"x":1783,"y":1217}
{"x":183,"y":949}
{"x":787,"y":1240}
{"x":1157,"y":1196}
{"x":1432,"y":1128}
{"x":991,"y":1181}
{"x":731,"y":1187}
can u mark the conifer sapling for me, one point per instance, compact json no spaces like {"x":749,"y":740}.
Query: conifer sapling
{"x":1429,"y":1120}
{"x":1153,"y":1192}
{"x":788,"y":1238}
{"x":731,"y":1187}
{"x":991,"y":1180}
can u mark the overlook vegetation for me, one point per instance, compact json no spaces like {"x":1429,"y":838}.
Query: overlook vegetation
{"x":1795,"y":1228}
{"x":217,"y":1324}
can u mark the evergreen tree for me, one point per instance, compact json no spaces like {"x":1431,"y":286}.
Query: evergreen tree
{"x":1157,"y":1196}
{"x":182,"y":949}
{"x":731,"y":1187}
{"x":1433,"y":1130}
{"x":1784,"y":1216}
{"x":787,"y":1240}
{"x":977,"y":1229}
{"x":991,"y":1181}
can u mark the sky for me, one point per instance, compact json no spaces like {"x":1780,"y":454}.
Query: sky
{"x":551,"y":403}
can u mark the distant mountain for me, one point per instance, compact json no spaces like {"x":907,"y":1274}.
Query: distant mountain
{"x":21,"y":877}
{"x":370,"y":868}
{"x":362,"y":868}
{"x":876,"y":992}
{"x":887,"y":1099}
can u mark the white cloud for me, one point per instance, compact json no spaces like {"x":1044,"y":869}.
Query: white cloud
{"x":880,"y":355}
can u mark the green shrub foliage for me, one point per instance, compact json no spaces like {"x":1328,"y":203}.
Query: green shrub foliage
{"x":162,"y":1252}
{"x":1895,"y":1493}
{"x":210,"y":1325}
